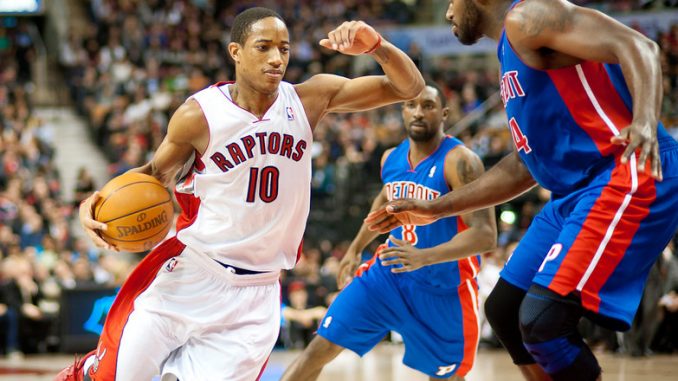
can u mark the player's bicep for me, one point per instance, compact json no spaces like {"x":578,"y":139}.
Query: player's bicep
{"x":576,"y":31}
{"x":352,"y":95}
{"x":168,"y":158}
{"x":186,"y":133}
{"x":463,"y":166}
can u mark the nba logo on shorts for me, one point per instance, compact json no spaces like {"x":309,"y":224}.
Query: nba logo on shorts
{"x":290,"y":113}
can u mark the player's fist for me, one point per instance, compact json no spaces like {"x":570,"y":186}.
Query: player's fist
{"x":352,"y":38}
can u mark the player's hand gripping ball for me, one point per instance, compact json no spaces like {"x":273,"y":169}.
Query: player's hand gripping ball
{"x":137,"y":209}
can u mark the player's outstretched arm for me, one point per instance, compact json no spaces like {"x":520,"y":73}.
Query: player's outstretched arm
{"x":186,"y":133}
{"x":505,"y":181}
{"x":590,"y":35}
{"x":331,"y":93}
{"x":462,"y":167}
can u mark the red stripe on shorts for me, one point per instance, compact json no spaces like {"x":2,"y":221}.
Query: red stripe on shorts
{"x":140,"y":279}
{"x":609,"y":229}
{"x":468,"y":298}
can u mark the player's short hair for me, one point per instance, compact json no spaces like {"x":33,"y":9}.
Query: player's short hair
{"x":244,"y":20}
{"x":441,"y":94}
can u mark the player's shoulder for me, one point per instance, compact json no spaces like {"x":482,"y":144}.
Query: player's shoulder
{"x":386,"y":155}
{"x":190,"y":111}
{"x":460,"y":152}
{"x":188,"y":119}
{"x":460,"y":156}
{"x":529,"y":18}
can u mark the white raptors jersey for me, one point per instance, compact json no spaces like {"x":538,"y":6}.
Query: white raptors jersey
{"x":246,"y":200}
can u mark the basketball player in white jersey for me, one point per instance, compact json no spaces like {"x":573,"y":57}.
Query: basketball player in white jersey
{"x":205,"y":305}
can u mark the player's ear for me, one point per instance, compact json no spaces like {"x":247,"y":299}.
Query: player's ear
{"x":234,"y":50}
{"x":446,"y":112}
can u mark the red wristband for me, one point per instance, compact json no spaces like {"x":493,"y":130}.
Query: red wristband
{"x":376,"y":46}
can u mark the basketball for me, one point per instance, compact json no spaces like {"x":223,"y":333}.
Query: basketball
{"x":138,"y":210}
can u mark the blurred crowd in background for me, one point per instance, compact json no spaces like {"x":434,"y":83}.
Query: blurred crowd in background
{"x":135,"y":62}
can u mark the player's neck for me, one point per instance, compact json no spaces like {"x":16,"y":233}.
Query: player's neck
{"x":250,"y":99}
{"x":421,"y":150}
{"x":494,"y":19}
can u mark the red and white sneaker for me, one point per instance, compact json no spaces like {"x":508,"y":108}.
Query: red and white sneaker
{"x":75,"y":372}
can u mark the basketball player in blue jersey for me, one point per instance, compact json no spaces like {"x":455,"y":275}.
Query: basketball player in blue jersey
{"x":422,"y":285}
{"x":582,"y":95}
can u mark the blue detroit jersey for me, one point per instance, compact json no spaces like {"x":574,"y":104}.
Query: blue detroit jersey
{"x":562,"y":119}
{"x":426,"y":181}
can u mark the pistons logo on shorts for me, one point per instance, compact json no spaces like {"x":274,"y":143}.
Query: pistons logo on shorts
{"x":171,"y":264}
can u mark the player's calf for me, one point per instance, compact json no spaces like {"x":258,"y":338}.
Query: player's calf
{"x":310,"y":363}
{"x":501,"y":309}
{"x":548,"y":323}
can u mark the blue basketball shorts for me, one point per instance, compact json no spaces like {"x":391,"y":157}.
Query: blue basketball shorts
{"x":601,"y":241}
{"x":439,"y":327}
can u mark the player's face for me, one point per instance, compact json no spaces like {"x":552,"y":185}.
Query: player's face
{"x":424,"y":115}
{"x":262,"y":61}
{"x":465,"y":18}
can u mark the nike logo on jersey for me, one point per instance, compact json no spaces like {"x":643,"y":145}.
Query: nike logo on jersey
{"x":432,"y":171}
{"x":510,"y":87}
{"x":264,"y":143}
{"x":409,"y":189}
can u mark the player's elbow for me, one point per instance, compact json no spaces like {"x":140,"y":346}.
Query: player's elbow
{"x":649,"y":50}
{"x":416,"y":88}
{"x":653,"y":48}
{"x":489,"y":239}
{"x":407,"y":90}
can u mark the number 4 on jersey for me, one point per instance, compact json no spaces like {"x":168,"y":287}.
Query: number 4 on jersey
{"x":519,"y":139}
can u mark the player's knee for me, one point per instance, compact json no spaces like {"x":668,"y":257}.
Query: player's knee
{"x":503,"y":301}
{"x":548,"y":324}
{"x":545,"y":315}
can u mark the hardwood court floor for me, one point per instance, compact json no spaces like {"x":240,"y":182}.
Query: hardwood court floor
{"x":384,"y":364}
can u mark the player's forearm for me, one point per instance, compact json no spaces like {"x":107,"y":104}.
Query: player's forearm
{"x":465,"y":244}
{"x":640,"y":63}
{"x":503,"y":182}
{"x":149,"y":169}
{"x":402,"y":73}
{"x":362,"y":239}
{"x":365,"y":236}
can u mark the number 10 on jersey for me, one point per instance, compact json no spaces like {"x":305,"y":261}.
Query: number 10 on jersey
{"x":264,"y":182}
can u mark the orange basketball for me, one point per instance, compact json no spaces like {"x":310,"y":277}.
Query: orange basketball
{"x":138,"y":210}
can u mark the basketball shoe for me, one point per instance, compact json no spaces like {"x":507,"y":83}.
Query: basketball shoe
{"x":75,"y":372}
